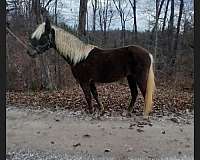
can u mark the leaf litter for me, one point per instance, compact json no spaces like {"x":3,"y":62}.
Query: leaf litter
{"x":115,"y":98}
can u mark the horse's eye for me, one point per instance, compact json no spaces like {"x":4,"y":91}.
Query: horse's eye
{"x":43,"y":39}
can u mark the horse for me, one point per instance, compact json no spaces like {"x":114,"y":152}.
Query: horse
{"x":91,"y":64}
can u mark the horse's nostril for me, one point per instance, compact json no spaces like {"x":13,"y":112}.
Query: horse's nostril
{"x":31,"y":53}
{"x":28,"y":52}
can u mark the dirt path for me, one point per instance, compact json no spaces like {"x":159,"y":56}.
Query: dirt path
{"x":116,"y":137}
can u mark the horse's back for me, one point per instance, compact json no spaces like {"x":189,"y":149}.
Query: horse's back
{"x":133,"y":54}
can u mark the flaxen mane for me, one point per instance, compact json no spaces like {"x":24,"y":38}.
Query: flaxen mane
{"x":38,"y":32}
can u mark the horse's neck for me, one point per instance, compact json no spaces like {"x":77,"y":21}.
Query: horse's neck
{"x":70,"y":46}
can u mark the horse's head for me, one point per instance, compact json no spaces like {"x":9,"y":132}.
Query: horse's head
{"x":43,"y":38}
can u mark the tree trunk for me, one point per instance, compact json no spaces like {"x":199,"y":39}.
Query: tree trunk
{"x":104,"y":32}
{"x":36,"y":10}
{"x":123,"y":34}
{"x":156,"y":31}
{"x":135,"y":21}
{"x":57,"y":67}
{"x":171,"y":29}
{"x":94,"y":6}
{"x":55,"y":12}
{"x":165,"y":16}
{"x":133,"y":5}
{"x":87,"y":22}
{"x":158,"y":12}
{"x":123,"y":19}
{"x":82,"y":17}
{"x":105,"y":19}
{"x":164,"y":40}
{"x":177,"y":31}
{"x":46,"y":77}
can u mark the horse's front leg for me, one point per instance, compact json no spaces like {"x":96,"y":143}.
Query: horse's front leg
{"x":86,"y":90}
{"x":95,"y":95}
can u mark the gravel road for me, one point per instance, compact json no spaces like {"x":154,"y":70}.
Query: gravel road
{"x":50,"y":135}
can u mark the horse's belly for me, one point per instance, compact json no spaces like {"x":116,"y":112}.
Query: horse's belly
{"x":108,"y":80}
{"x":107,"y":77}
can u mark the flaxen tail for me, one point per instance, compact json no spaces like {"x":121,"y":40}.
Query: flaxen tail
{"x":149,"y":90}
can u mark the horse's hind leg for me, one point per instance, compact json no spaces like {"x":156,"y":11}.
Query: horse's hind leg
{"x":95,"y":95}
{"x":86,"y":89}
{"x":134,"y":92}
{"x":142,"y":84}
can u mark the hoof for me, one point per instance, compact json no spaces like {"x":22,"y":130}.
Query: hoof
{"x":128,"y":114}
{"x":102,"y":112}
{"x":145,"y":117}
{"x":89,"y":111}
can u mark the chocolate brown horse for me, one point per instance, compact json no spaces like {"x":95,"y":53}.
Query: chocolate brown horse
{"x":90,"y":64}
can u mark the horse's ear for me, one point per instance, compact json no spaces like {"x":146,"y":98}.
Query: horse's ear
{"x":47,"y":26}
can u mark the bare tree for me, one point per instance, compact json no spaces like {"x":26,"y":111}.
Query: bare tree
{"x":94,"y":7}
{"x":57,"y":66}
{"x":171,"y":27}
{"x":47,"y":4}
{"x":36,"y":11}
{"x":121,"y":7}
{"x":165,"y":16}
{"x":156,"y":30}
{"x":82,"y":17}
{"x":105,"y":17}
{"x":133,"y":5}
{"x":188,"y":25}
{"x":55,"y":12}
{"x":159,"y":8}
{"x":154,"y":34}
{"x":177,"y":30}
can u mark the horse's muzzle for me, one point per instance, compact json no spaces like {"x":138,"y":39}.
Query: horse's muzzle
{"x":32,"y":52}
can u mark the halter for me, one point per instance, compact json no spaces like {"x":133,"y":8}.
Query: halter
{"x":39,"y":48}
{"x":42,"y":48}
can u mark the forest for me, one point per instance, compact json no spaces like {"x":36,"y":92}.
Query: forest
{"x":47,"y":108}
{"x":169,"y":37}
